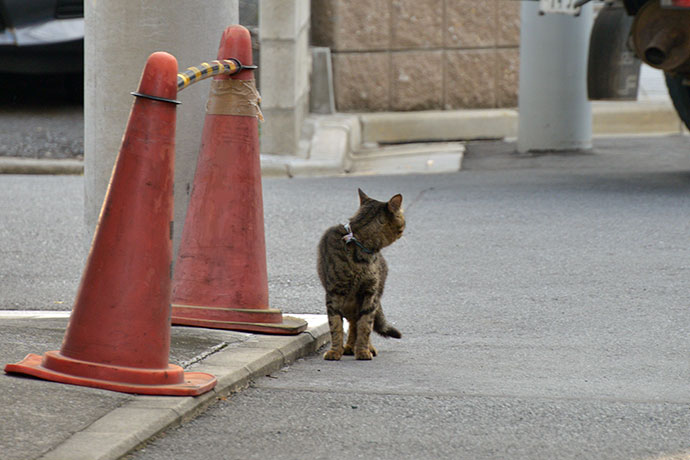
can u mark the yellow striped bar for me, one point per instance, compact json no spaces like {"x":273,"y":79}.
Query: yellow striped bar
{"x":209,"y":69}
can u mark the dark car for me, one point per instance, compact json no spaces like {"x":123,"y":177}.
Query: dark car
{"x":41,"y":36}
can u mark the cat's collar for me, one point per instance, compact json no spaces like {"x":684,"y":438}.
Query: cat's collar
{"x":350,"y":238}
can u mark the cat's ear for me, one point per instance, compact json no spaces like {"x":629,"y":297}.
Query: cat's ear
{"x":362,"y":196}
{"x":395,"y":203}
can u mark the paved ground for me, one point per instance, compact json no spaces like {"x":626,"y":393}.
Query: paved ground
{"x":41,"y":240}
{"x":41,"y":116}
{"x":543,"y":302}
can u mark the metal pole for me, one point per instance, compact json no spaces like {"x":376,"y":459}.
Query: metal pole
{"x":554,"y":113}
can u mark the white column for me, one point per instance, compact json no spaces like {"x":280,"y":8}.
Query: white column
{"x":119,"y":36}
{"x":554,"y":113}
{"x":285,"y":68}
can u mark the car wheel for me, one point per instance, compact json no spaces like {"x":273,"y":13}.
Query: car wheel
{"x":680,"y":95}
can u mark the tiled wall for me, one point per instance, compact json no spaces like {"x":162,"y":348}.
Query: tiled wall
{"x":420,"y":54}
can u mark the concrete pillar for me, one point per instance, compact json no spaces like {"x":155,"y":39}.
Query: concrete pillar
{"x":119,"y":36}
{"x":554,"y":113}
{"x":285,"y":66}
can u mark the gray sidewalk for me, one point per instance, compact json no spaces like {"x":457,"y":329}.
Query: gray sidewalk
{"x":49,"y":420}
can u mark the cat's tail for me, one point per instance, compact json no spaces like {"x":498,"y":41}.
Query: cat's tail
{"x":384,"y":328}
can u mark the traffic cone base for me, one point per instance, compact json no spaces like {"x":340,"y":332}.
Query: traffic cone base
{"x":269,"y":321}
{"x":58,"y":368}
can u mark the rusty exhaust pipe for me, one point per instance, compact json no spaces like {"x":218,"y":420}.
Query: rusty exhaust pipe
{"x":661,"y":38}
{"x":661,"y":47}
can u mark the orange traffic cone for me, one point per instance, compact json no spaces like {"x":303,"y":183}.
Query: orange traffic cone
{"x":220,"y":276}
{"x":118,"y":336}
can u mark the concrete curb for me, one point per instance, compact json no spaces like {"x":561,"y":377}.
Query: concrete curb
{"x":635,"y":118}
{"x":329,"y":140}
{"x":418,"y":158}
{"x":127,"y":427}
{"x":438,"y":125}
{"x":608,"y":119}
{"x":344,"y":143}
{"x":19,"y":165}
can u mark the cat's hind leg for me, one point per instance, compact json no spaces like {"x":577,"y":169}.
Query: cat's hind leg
{"x":349,"y":349}
{"x":351,"y":337}
{"x":363,"y":348}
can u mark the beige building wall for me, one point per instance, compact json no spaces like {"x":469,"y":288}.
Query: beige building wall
{"x":399,"y":55}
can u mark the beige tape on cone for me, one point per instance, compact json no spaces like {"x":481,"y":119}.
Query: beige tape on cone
{"x":234,"y":97}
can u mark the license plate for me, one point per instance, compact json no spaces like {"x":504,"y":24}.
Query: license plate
{"x":559,"y":6}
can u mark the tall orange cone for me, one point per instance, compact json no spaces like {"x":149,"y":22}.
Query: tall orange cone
{"x":220,"y":276}
{"x":118,"y":336}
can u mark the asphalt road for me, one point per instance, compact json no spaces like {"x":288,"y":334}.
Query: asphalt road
{"x":41,"y":116}
{"x":543,"y":302}
{"x":42,"y":249}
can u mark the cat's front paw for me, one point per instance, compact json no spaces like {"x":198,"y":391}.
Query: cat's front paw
{"x":332,"y":355}
{"x":363,"y":354}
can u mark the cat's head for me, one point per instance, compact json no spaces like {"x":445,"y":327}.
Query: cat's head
{"x":380,"y":222}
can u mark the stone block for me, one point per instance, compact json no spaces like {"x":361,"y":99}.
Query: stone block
{"x":302,"y":64}
{"x":508,"y":23}
{"x":278,"y":80}
{"x":470,"y":79}
{"x":508,"y":76}
{"x":417,"y":80}
{"x":344,"y":27}
{"x":302,"y":14}
{"x":282,"y":19}
{"x":438,"y":125}
{"x":362,"y":81}
{"x":323,"y":23}
{"x":417,"y":24}
{"x":470,"y":24}
{"x":285,"y":66}
{"x":280,"y":131}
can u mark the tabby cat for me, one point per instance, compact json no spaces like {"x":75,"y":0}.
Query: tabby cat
{"x":353,"y":273}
